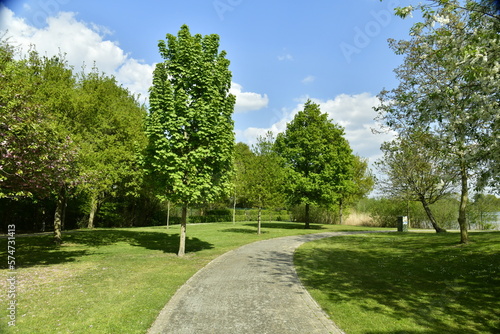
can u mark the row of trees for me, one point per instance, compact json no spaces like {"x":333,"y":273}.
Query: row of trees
{"x":66,"y":134}
{"x":191,"y":140}
{"x":73,"y":135}
{"x":445,"y":109}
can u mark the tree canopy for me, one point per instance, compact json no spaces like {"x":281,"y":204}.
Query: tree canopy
{"x":449,"y":86}
{"x":190,"y":129}
{"x":317,"y":158}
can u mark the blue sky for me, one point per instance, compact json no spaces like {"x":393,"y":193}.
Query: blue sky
{"x":282,"y":52}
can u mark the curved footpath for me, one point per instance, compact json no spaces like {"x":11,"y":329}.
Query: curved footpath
{"x":252,"y":289}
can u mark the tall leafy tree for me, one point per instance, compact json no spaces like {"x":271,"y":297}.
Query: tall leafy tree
{"x":34,"y":154}
{"x":317,"y":157}
{"x":37,"y":155}
{"x":264,"y":176}
{"x":110,"y":125}
{"x":190,"y":129}
{"x":243,"y":158}
{"x":416,"y":172}
{"x":449,"y":86}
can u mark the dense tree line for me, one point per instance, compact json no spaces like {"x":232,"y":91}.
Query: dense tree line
{"x":67,"y":138}
{"x":78,"y":150}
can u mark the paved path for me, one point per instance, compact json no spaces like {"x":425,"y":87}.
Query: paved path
{"x":253,"y":289}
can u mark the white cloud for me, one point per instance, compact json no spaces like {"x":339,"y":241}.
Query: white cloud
{"x":81,"y":43}
{"x":136,"y":76}
{"x":353,"y":112}
{"x":308,"y":79}
{"x":247,"y":101}
{"x":286,"y":56}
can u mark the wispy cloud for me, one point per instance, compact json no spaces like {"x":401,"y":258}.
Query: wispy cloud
{"x":308,"y":79}
{"x":285,"y":56}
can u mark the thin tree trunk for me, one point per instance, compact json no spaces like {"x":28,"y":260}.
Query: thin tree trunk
{"x":234,"y":209}
{"x":341,"y":213}
{"x":307,"y":217}
{"x":464,"y":198}
{"x":65,"y":206}
{"x":408,"y":212}
{"x":168,"y":215}
{"x":182,"y":243}
{"x":94,"y":207}
{"x":58,"y":216}
{"x":258,"y":221}
{"x":431,"y":216}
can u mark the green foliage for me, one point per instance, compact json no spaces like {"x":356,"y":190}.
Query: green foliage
{"x":264,"y":175}
{"x":36,"y":156}
{"x":483,"y":210}
{"x":449,"y":88}
{"x":190,"y":128}
{"x":317,"y":158}
{"x":243,"y":157}
{"x":317,"y":215}
{"x":62,"y":130}
{"x":384,"y":211}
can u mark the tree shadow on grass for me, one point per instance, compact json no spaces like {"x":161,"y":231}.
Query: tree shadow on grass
{"x":444,"y":289}
{"x":286,"y":225}
{"x":40,"y":250}
{"x":242,"y":230}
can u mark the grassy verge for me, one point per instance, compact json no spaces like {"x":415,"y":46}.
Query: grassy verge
{"x":115,"y":280}
{"x":406,"y":283}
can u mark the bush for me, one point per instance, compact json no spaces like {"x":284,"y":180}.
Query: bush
{"x":317,"y":215}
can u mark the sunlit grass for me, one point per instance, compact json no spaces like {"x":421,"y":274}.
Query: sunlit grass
{"x":406,"y":283}
{"x":116,"y":280}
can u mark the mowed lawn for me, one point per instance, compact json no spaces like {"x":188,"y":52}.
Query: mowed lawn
{"x":406,"y":282}
{"x":116,"y":280}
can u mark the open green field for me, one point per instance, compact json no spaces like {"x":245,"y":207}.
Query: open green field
{"x":116,"y":280}
{"x":406,"y":282}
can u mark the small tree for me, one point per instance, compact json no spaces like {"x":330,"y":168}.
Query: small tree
{"x":360,"y":185}
{"x":317,"y":158}
{"x":264,"y":176}
{"x":416,"y":172}
{"x":243,"y":158}
{"x":190,"y":129}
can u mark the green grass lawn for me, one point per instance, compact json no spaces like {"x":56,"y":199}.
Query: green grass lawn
{"x":406,"y":282}
{"x":116,"y":280}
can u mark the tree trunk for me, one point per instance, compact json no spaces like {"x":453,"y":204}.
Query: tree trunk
{"x":431,"y":216}
{"x":65,"y":206}
{"x":168,"y":215}
{"x":258,"y":220}
{"x":341,"y":213}
{"x":464,"y":198}
{"x":307,"y":217}
{"x":58,"y":217}
{"x":94,"y":207}
{"x":182,"y":243}
{"x":234,"y":209}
